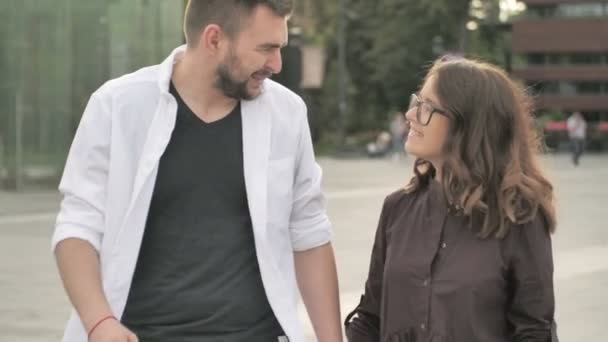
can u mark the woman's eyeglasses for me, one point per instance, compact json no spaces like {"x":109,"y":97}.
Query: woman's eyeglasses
{"x":424,"y":110}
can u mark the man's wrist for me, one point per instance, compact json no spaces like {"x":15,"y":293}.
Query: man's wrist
{"x":99,"y":322}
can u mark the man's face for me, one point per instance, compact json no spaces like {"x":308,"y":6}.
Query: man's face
{"x":253,"y":55}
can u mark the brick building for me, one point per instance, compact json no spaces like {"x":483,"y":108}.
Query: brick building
{"x":562,"y":51}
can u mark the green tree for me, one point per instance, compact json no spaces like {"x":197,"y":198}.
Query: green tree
{"x":390,"y":44}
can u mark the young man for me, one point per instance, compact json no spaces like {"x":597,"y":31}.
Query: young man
{"x":192,"y":197}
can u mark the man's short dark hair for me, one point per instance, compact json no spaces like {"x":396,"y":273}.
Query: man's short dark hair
{"x":228,"y":14}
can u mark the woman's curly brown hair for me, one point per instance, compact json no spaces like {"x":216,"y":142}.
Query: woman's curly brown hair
{"x":490,"y":172}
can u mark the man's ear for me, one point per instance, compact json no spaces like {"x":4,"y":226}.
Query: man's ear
{"x":212,"y":38}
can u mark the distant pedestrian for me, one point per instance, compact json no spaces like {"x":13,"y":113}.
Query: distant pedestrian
{"x":577,"y":131}
{"x":398,"y":127}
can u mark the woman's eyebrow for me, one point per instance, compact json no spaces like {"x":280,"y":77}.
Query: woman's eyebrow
{"x":426,"y":99}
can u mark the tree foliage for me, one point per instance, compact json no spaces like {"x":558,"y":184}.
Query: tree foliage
{"x":390,"y":44}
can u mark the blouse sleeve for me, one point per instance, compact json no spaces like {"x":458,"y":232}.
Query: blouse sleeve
{"x":532,"y":305}
{"x":365,"y":324}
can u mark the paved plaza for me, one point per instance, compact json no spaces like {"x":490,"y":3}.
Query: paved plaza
{"x":34,"y":308}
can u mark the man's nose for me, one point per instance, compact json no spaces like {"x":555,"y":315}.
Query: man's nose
{"x":275,"y":62}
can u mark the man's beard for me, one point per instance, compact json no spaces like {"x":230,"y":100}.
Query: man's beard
{"x":230,"y":85}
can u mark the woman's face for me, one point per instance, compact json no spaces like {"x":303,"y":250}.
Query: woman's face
{"x":427,"y":141}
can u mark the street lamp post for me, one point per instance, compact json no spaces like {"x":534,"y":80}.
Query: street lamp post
{"x":342,"y":73}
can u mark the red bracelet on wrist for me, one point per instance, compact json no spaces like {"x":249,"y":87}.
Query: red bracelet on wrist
{"x":98,"y":323}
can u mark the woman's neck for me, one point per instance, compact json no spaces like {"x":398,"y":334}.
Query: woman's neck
{"x":437,"y":165}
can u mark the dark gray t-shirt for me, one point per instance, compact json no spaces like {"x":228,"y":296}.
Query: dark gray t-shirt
{"x":197,"y":278}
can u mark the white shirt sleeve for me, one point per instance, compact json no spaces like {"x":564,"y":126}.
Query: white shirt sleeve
{"x":309,"y":225}
{"x":83,"y":184}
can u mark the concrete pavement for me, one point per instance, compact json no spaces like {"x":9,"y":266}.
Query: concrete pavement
{"x":356,"y":190}
{"x":34,"y":307}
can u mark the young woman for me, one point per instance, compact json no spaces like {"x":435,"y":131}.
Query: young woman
{"x":463,"y":252}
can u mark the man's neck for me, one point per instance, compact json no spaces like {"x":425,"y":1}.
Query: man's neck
{"x":195,"y":85}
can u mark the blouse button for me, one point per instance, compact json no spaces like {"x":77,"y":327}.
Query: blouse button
{"x":423,"y":326}
{"x":444,"y":245}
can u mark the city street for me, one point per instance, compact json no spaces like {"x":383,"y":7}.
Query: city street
{"x":34,"y":307}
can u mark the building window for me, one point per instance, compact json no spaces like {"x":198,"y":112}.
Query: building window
{"x":584,"y":10}
{"x":589,"y":88}
{"x":541,"y":12}
{"x":563,"y":59}
{"x":585,"y":59}
{"x":555,"y":59}
{"x":544,"y":87}
{"x":591,"y":116}
{"x":536,"y":88}
{"x":536,"y":59}
{"x":580,"y":10}
{"x":567,"y":89}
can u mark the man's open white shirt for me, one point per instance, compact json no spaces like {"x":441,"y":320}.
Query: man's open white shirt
{"x":111,"y":170}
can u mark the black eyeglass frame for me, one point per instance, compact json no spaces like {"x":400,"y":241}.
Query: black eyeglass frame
{"x":415,"y":101}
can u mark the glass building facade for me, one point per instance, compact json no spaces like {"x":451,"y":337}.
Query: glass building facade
{"x":53,"y":55}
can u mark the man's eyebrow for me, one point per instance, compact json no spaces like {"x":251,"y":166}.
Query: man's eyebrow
{"x":272,"y":46}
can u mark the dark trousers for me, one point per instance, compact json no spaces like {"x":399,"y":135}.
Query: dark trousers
{"x":577,"y":145}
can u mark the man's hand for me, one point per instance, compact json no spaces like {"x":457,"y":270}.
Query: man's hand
{"x":112,"y":331}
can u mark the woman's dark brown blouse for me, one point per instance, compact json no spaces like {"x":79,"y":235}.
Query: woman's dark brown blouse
{"x":432,"y":279}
